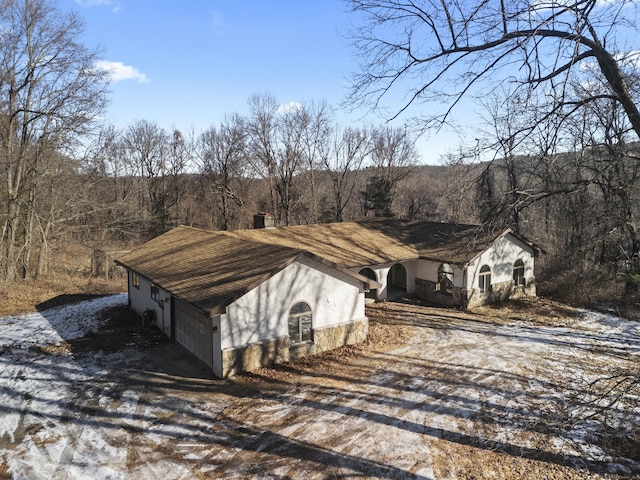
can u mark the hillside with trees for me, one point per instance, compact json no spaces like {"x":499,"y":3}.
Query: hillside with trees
{"x":564,"y":174}
{"x":558,"y":84}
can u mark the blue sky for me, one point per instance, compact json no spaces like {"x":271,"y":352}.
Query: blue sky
{"x":187,"y":64}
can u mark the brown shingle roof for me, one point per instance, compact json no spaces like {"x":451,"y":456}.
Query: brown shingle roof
{"x":212,"y":269}
{"x":207,"y":269}
{"x":444,"y":242}
{"x":378,"y":241}
{"x":350,"y":244}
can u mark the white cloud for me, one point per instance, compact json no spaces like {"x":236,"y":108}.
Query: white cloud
{"x":116,"y":7}
{"x":291,"y":106}
{"x":119,"y":71}
{"x":630,"y":58}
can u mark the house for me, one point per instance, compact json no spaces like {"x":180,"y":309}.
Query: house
{"x":447,"y":264}
{"x":238,"y":304}
{"x":247,"y":298}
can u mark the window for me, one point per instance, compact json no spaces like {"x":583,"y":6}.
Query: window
{"x":155,"y":293}
{"x":135,"y":280}
{"x":518,"y":273}
{"x":445,"y":278}
{"x":484,"y":279}
{"x":300,"y":323}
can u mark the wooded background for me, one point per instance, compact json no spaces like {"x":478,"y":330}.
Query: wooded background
{"x":565,"y":174}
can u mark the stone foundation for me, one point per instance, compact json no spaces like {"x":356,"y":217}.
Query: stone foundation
{"x":458,"y":297}
{"x":502,"y":291}
{"x":280,"y":350}
{"x":426,"y":290}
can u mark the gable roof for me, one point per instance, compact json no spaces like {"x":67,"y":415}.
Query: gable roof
{"x":350,"y":244}
{"x":378,"y":241}
{"x":444,"y":242}
{"x":204,"y":268}
{"x":211,"y":269}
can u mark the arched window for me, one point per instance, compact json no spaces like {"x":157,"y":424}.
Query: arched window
{"x":300,"y":323}
{"x":445,"y":278}
{"x":518,"y":273}
{"x":484,"y":279}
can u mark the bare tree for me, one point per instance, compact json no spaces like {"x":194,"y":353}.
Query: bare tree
{"x":393,"y":153}
{"x":452,"y":188}
{"x":612,"y":167}
{"x":283,"y":141}
{"x":146,"y":145}
{"x":347,"y":150}
{"x":291,"y":141}
{"x":506,"y":121}
{"x":111,"y":206}
{"x":582,"y":164}
{"x":316,"y":143}
{"x":222,"y":154}
{"x":416,"y":200}
{"x":262,"y":128}
{"x":50,"y":91}
{"x":180,"y":159}
{"x":441,"y":51}
{"x":391,"y":159}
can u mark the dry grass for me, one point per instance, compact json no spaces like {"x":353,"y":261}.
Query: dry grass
{"x":588,"y":286}
{"x":536,"y":310}
{"x":4,"y":470}
{"x":69,"y":280}
{"x":464,"y":462}
{"x":23,"y":296}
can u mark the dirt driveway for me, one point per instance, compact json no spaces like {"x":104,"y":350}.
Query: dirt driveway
{"x":436,"y":394}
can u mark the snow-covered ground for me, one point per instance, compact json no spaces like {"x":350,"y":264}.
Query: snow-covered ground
{"x":466,"y":396}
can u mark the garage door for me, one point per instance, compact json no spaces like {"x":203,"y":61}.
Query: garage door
{"x":193,"y":332}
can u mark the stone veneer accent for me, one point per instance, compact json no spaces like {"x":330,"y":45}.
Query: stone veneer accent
{"x":426,"y":289}
{"x":502,"y":291}
{"x":280,"y":350}
{"x":459,"y":297}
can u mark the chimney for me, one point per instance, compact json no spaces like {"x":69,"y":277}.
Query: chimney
{"x":263,"y":220}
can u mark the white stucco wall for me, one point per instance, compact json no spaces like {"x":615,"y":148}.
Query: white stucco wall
{"x":262,"y":314}
{"x":500,"y":257}
{"x":382,"y":276}
{"x":411,"y":268}
{"x":140,"y":299}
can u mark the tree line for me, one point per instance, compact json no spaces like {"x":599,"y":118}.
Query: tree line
{"x":558,"y":82}
{"x":67,"y":177}
{"x":296,"y":163}
{"x":556,"y":160}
